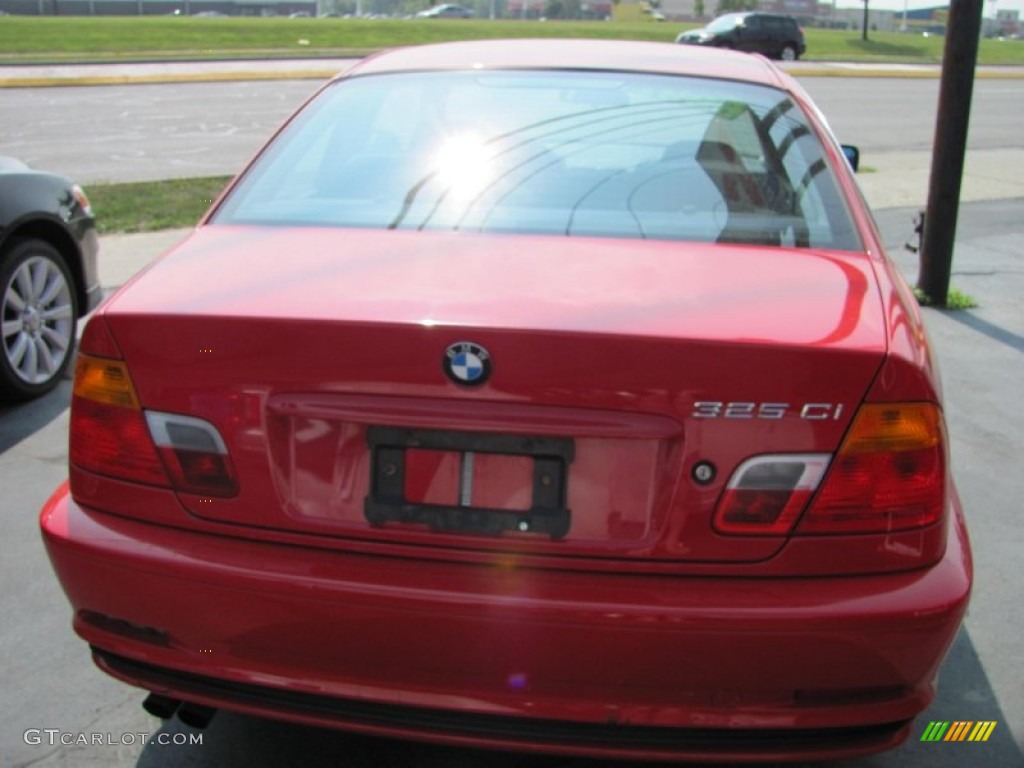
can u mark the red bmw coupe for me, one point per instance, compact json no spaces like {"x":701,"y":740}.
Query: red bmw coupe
{"x":543,"y":395}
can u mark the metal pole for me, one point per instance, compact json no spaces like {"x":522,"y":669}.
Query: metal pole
{"x":955,"y":90}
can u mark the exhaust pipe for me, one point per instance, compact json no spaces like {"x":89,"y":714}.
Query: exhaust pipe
{"x":161,"y":706}
{"x":196,"y":715}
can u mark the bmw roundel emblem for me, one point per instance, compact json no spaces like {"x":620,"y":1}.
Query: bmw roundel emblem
{"x":467,"y":363}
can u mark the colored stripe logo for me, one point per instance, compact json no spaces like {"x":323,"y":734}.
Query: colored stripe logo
{"x":958,"y":730}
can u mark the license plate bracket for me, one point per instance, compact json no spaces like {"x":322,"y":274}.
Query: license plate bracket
{"x":548,"y":513}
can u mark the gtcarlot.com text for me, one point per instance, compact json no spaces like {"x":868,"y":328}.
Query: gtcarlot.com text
{"x":54,"y":737}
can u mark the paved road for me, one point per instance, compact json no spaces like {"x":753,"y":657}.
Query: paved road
{"x":893,"y":115}
{"x":177,"y":130}
{"x":145,"y":132}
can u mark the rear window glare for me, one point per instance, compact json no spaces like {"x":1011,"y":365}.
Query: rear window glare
{"x":561,"y":153}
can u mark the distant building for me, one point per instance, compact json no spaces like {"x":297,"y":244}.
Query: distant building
{"x":925,"y":20}
{"x":578,"y":9}
{"x":807,"y":9}
{"x":807,"y":12}
{"x":158,"y":7}
{"x":1005,"y":24}
{"x":878,"y":20}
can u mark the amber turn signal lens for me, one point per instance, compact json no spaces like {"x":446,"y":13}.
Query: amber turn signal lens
{"x":102,"y":380}
{"x":881,"y":427}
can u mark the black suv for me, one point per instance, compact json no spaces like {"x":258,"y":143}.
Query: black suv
{"x":774,"y":35}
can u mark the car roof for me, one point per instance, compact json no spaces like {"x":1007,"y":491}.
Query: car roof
{"x":597,"y":55}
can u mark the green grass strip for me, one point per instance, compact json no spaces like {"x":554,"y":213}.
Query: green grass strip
{"x":956,"y":300}
{"x":153,"y":205}
{"x":25,"y":39}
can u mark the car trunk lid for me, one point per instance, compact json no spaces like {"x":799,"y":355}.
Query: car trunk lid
{"x":616,"y":369}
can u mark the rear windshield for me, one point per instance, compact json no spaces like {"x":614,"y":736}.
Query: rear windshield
{"x":560,"y":153}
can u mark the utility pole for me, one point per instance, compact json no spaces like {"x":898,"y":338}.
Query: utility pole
{"x":963,"y":28}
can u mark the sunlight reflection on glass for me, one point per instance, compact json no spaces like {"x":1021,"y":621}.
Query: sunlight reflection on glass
{"x":464,"y":165}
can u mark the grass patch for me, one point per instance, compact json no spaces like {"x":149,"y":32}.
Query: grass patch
{"x":26,"y":39}
{"x":956,"y":300}
{"x":152,"y":205}
{"x":112,"y":38}
{"x":904,"y":46}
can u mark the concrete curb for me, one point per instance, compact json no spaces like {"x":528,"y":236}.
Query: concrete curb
{"x":209,"y":77}
{"x":43,"y":76}
{"x":153,"y":72}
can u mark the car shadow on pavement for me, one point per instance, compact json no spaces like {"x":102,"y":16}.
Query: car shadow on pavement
{"x":20,"y":420}
{"x":234,"y":741}
{"x":994,"y":332}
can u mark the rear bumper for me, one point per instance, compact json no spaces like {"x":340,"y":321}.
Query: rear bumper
{"x":569,"y":662}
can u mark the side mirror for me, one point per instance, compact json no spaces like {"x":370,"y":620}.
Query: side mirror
{"x":852,"y":156}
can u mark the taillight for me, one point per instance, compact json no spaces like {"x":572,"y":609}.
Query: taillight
{"x":108,"y":431}
{"x":82,"y":199}
{"x":112,"y":435}
{"x":766,"y":494}
{"x":889,"y":474}
{"x":193,"y":453}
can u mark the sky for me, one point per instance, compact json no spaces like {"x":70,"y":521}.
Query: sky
{"x":989,"y":7}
